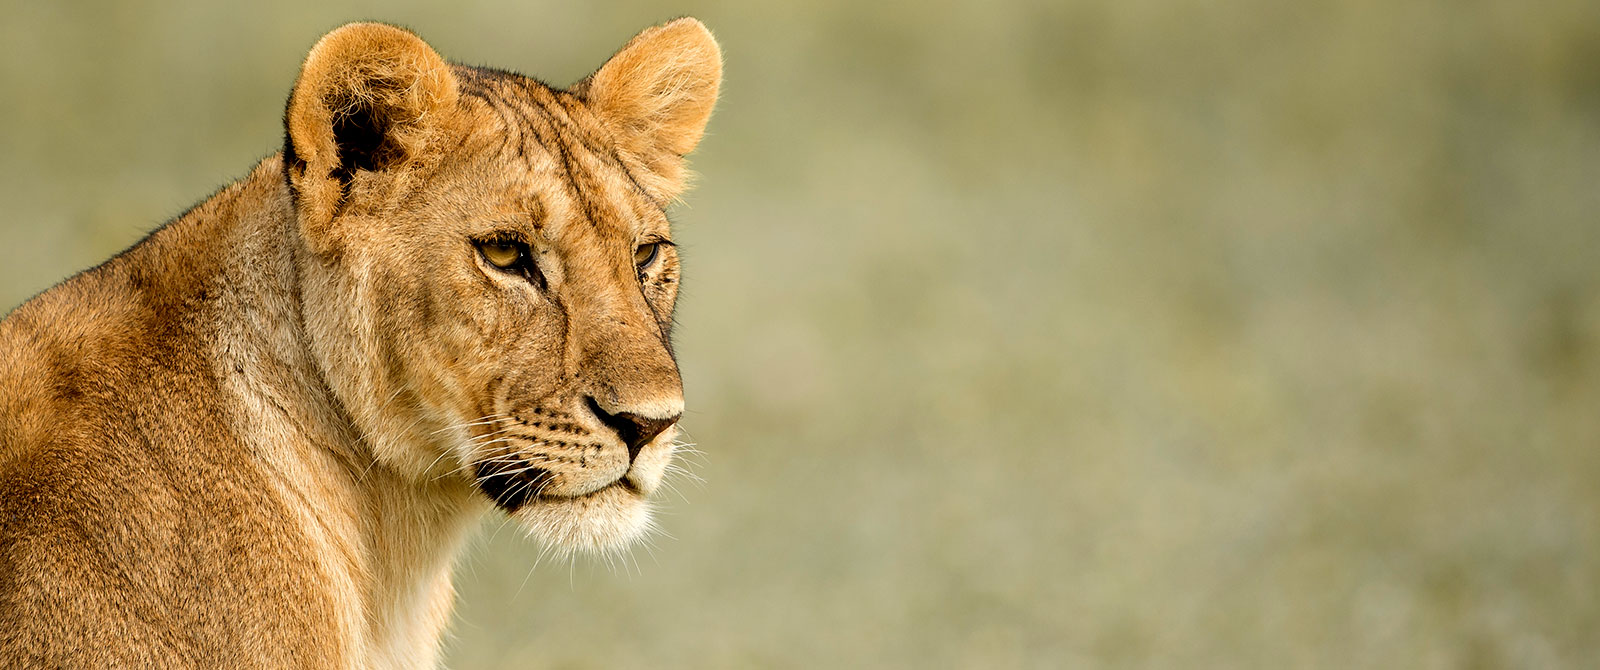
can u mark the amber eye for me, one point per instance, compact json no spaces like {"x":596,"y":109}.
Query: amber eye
{"x":502,"y":255}
{"x":513,"y":257}
{"x":645,"y":254}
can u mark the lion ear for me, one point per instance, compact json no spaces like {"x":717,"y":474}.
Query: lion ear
{"x":368,"y":98}
{"x":656,"y":95}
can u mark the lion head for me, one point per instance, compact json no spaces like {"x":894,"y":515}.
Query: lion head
{"x":488,"y":273}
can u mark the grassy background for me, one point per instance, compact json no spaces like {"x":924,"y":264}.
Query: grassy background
{"x":1101,"y":333}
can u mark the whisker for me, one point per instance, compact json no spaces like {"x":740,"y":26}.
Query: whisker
{"x":489,"y":419}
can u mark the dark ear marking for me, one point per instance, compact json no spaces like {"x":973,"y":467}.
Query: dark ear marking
{"x":358,"y":138}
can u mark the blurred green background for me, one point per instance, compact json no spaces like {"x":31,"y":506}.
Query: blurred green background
{"x":1112,"y":333}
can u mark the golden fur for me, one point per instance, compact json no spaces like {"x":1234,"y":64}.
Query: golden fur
{"x":259,"y":437}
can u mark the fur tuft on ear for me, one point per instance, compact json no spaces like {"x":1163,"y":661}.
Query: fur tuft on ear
{"x":656,"y":95}
{"x":368,"y":99}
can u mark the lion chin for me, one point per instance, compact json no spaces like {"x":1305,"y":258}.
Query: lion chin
{"x":605,"y":521}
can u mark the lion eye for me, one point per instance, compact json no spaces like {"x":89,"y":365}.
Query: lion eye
{"x":512,"y":257}
{"x":645,"y":254}
{"x":502,"y":255}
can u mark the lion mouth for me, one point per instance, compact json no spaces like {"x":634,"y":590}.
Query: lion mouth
{"x":512,"y":486}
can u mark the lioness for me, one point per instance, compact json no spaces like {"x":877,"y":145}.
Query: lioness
{"x":259,"y":437}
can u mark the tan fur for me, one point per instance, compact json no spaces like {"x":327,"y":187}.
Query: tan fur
{"x":260,"y":437}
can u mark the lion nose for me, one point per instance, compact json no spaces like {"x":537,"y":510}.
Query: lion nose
{"x":635,"y":430}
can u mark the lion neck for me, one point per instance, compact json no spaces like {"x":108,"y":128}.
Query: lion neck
{"x":388,"y":540}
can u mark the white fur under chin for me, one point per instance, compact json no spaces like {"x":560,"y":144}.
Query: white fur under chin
{"x":605,"y":521}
